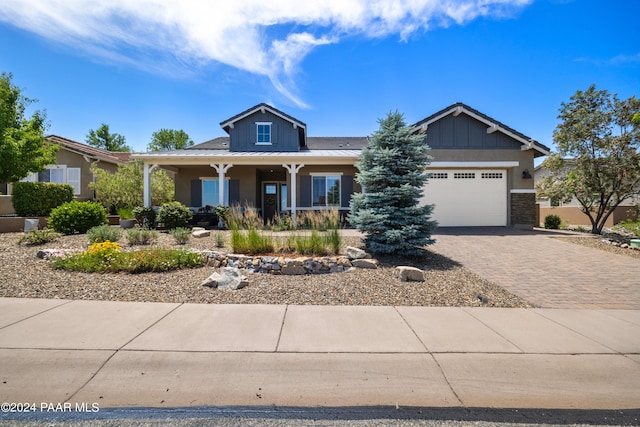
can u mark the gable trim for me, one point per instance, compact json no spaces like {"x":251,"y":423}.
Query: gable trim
{"x":229,"y":123}
{"x":492,"y":126}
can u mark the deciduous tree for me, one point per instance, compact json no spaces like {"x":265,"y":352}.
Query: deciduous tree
{"x":124,"y":188}
{"x":598,"y":158}
{"x":23,"y":148}
{"x":169,"y":139}
{"x":392,"y":175}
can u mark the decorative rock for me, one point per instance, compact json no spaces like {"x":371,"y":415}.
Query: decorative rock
{"x":365,"y":263}
{"x":355,"y":253}
{"x":293,"y":270}
{"x":231,"y":278}
{"x":624,"y":246}
{"x":409,"y":274}
{"x":200,"y":233}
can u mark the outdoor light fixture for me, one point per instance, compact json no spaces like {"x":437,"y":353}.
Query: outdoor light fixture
{"x":526,"y":174}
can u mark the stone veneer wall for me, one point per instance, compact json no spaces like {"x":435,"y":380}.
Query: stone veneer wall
{"x":523,"y":210}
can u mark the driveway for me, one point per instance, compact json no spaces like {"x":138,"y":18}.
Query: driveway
{"x":542,"y":268}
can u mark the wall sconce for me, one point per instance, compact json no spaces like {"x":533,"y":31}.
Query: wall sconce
{"x":526,"y":174}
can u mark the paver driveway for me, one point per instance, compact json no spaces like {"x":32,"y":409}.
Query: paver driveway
{"x":543,"y":269}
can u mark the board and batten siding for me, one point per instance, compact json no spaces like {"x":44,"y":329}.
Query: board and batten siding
{"x":243,"y":136}
{"x":464,"y":132}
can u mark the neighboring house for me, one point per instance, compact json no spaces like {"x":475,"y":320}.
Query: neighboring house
{"x":571,"y":211}
{"x":73,"y":166}
{"x":480,"y":173}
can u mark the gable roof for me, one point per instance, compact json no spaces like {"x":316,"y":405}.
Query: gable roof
{"x":493,"y":125}
{"x":227,"y":125}
{"x":89,"y":151}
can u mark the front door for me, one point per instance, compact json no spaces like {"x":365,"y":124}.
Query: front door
{"x":270,"y":198}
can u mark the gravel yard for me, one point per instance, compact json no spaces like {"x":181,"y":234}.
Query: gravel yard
{"x":447,"y":284}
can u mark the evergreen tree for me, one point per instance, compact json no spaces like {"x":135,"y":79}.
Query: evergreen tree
{"x":392,"y":173}
{"x":103,"y":138}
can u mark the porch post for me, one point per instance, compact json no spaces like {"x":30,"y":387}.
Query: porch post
{"x":221,"y":168}
{"x":146,"y":192}
{"x":293,"y":172}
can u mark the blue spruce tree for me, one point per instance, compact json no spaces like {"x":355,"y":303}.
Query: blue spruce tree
{"x":392,"y":173}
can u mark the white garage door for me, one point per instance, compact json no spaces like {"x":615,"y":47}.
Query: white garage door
{"x":468,"y":197}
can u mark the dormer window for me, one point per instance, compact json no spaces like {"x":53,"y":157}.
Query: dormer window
{"x":264,"y":133}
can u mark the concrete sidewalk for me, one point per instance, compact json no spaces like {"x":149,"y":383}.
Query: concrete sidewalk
{"x":118,"y":354}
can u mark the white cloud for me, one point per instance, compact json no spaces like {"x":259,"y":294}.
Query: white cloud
{"x":236,"y":33}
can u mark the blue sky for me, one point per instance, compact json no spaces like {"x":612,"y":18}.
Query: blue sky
{"x":337,"y":65}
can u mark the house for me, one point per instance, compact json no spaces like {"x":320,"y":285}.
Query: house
{"x":73,"y":166}
{"x":479,"y":176}
{"x":571,"y":212}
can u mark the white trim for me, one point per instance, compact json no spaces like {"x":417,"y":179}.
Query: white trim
{"x":261,"y":109}
{"x":209,"y":178}
{"x":522,"y":191}
{"x":325,"y":173}
{"x":463,"y":165}
{"x":457,"y":110}
{"x":258,"y":124}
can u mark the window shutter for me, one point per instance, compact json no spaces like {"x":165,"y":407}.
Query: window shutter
{"x":234,"y":192}
{"x":196,"y":193}
{"x":346,"y":190}
{"x":305,"y":191}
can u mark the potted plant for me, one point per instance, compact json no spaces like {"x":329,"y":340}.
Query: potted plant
{"x":127,"y":219}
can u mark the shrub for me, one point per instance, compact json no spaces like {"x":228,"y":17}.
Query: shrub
{"x":281,"y":222}
{"x":251,"y":242}
{"x":552,"y":222}
{"x":181,"y":235}
{"x":242,"y":218}
{"x":630,"y":227}
{"x":320,"y":220}
{"x":103,"y":233}
{"x":141,"y":236}
{"x":39,"y":198}
{"x":334,"y":240}
{"x":39,"y":237}
{"x":146,"y":216}
{"x":174,"y":215}
{"x":74,"y":216}
{"x":219,"y":240}
{"x":313,"y":244}
{"x":125,"y":213}
{"x":107,"y":257}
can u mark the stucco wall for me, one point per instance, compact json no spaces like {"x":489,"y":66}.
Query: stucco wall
{"x":572,"y":215}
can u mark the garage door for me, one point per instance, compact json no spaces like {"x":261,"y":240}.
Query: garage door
{"x":468,"y":197}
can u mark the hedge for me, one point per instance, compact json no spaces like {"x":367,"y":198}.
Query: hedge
{"x":39,"y":198}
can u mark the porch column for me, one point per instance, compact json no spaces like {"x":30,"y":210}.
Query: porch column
{"x":221,"y":168}
{"x":146,"y":192}
{"x":293,"y":172}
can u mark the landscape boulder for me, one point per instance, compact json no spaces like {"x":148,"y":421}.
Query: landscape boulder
{"x":230,"y":278}
{"x":409,"y":274}
{"x":365,"y":263}
{"x":200,"y":233}
{"x":355,"y":253}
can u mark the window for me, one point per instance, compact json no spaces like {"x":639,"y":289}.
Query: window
{"x":59,"y":174}
{"x":264,"y":133}
{"x":210,"y":192}
{"x":438,"y":175}
{"x":73,"y":179}
{"x":326,"y":190}
{"x":283,"y":196}
{"x":464,"y":175}
{"x":491,"y":175}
